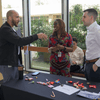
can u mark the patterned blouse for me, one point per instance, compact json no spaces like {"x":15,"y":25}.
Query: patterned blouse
{"x":65,"y":41}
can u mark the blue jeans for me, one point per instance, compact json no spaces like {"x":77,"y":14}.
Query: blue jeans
{"x":9,"y":72}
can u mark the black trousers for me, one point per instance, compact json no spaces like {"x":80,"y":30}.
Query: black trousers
{"x":90,"y":74}
{"x":1,"y":94}
{"x":74,"y":68}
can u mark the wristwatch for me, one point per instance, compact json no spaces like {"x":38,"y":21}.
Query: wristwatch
{"x":64,"y":48}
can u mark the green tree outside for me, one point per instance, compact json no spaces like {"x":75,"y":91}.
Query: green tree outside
{"x":77,"y":29}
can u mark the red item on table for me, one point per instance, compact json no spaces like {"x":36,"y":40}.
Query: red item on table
{"x":52,"y":83}
{"x":82,"y":86}
{"x":44,"y":83}
{"x":70,"y":82}
{"x":92,"y":86}
{"x":81,"y":83}
{"x":76,"y":83}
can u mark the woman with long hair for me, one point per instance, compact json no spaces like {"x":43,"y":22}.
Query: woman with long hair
{"x":60,"y":43}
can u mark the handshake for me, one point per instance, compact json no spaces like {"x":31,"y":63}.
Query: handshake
{"x":42,"y":36}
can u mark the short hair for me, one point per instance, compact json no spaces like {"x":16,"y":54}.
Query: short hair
{"x":9,"y":13}
{"x":92,"y":12}
{"x":75,"y":39}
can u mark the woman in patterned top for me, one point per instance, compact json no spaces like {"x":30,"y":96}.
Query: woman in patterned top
{"x":60,"y":43}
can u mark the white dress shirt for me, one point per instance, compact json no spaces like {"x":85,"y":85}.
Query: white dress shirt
{"x":93,"y":43}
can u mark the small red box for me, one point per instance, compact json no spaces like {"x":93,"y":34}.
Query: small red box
{"x":92,"y":86}
{"x":70,"y":82}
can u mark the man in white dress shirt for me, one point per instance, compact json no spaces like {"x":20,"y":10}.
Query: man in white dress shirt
{"x":92,"y":68}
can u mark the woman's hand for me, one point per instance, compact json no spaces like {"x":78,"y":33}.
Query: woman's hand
{"x":53,"y":49}
{"x":60,"y":47}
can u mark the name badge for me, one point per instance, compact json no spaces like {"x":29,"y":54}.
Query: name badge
{"x":59,"y":54}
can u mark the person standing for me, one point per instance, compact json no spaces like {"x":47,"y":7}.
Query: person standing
{"x":92,"y":68}
{"x":10,"y":46}
{"x":60,"y":43}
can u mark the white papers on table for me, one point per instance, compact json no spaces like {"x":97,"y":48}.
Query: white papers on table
{"x":66,"y":89}
{"x":90,"y":95}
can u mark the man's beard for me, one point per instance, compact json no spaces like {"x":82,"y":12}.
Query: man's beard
{"x":14,"y":23}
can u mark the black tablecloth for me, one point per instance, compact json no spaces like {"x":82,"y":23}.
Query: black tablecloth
{"x":22,"y":90}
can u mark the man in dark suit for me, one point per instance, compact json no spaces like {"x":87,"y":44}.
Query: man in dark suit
{"x":10,"y":43}
{"x":10,"y":54}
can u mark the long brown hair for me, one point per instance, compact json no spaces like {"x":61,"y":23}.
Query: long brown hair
{"x":62,"y":27}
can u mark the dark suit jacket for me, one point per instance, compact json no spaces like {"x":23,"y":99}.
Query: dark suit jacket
{"x":9,"y":42}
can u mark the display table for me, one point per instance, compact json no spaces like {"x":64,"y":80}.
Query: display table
{"x":22,"y":90}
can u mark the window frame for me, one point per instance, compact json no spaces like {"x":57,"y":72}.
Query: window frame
{"x":27,"y":30}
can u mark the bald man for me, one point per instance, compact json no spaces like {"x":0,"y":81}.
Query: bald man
{"x":10,"y":55}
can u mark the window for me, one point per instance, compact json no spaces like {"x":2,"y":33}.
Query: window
{"x":76,"y":8}
{"x":44,"y":12}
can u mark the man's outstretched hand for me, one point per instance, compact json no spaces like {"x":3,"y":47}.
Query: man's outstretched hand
{"x":42,"y":36}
